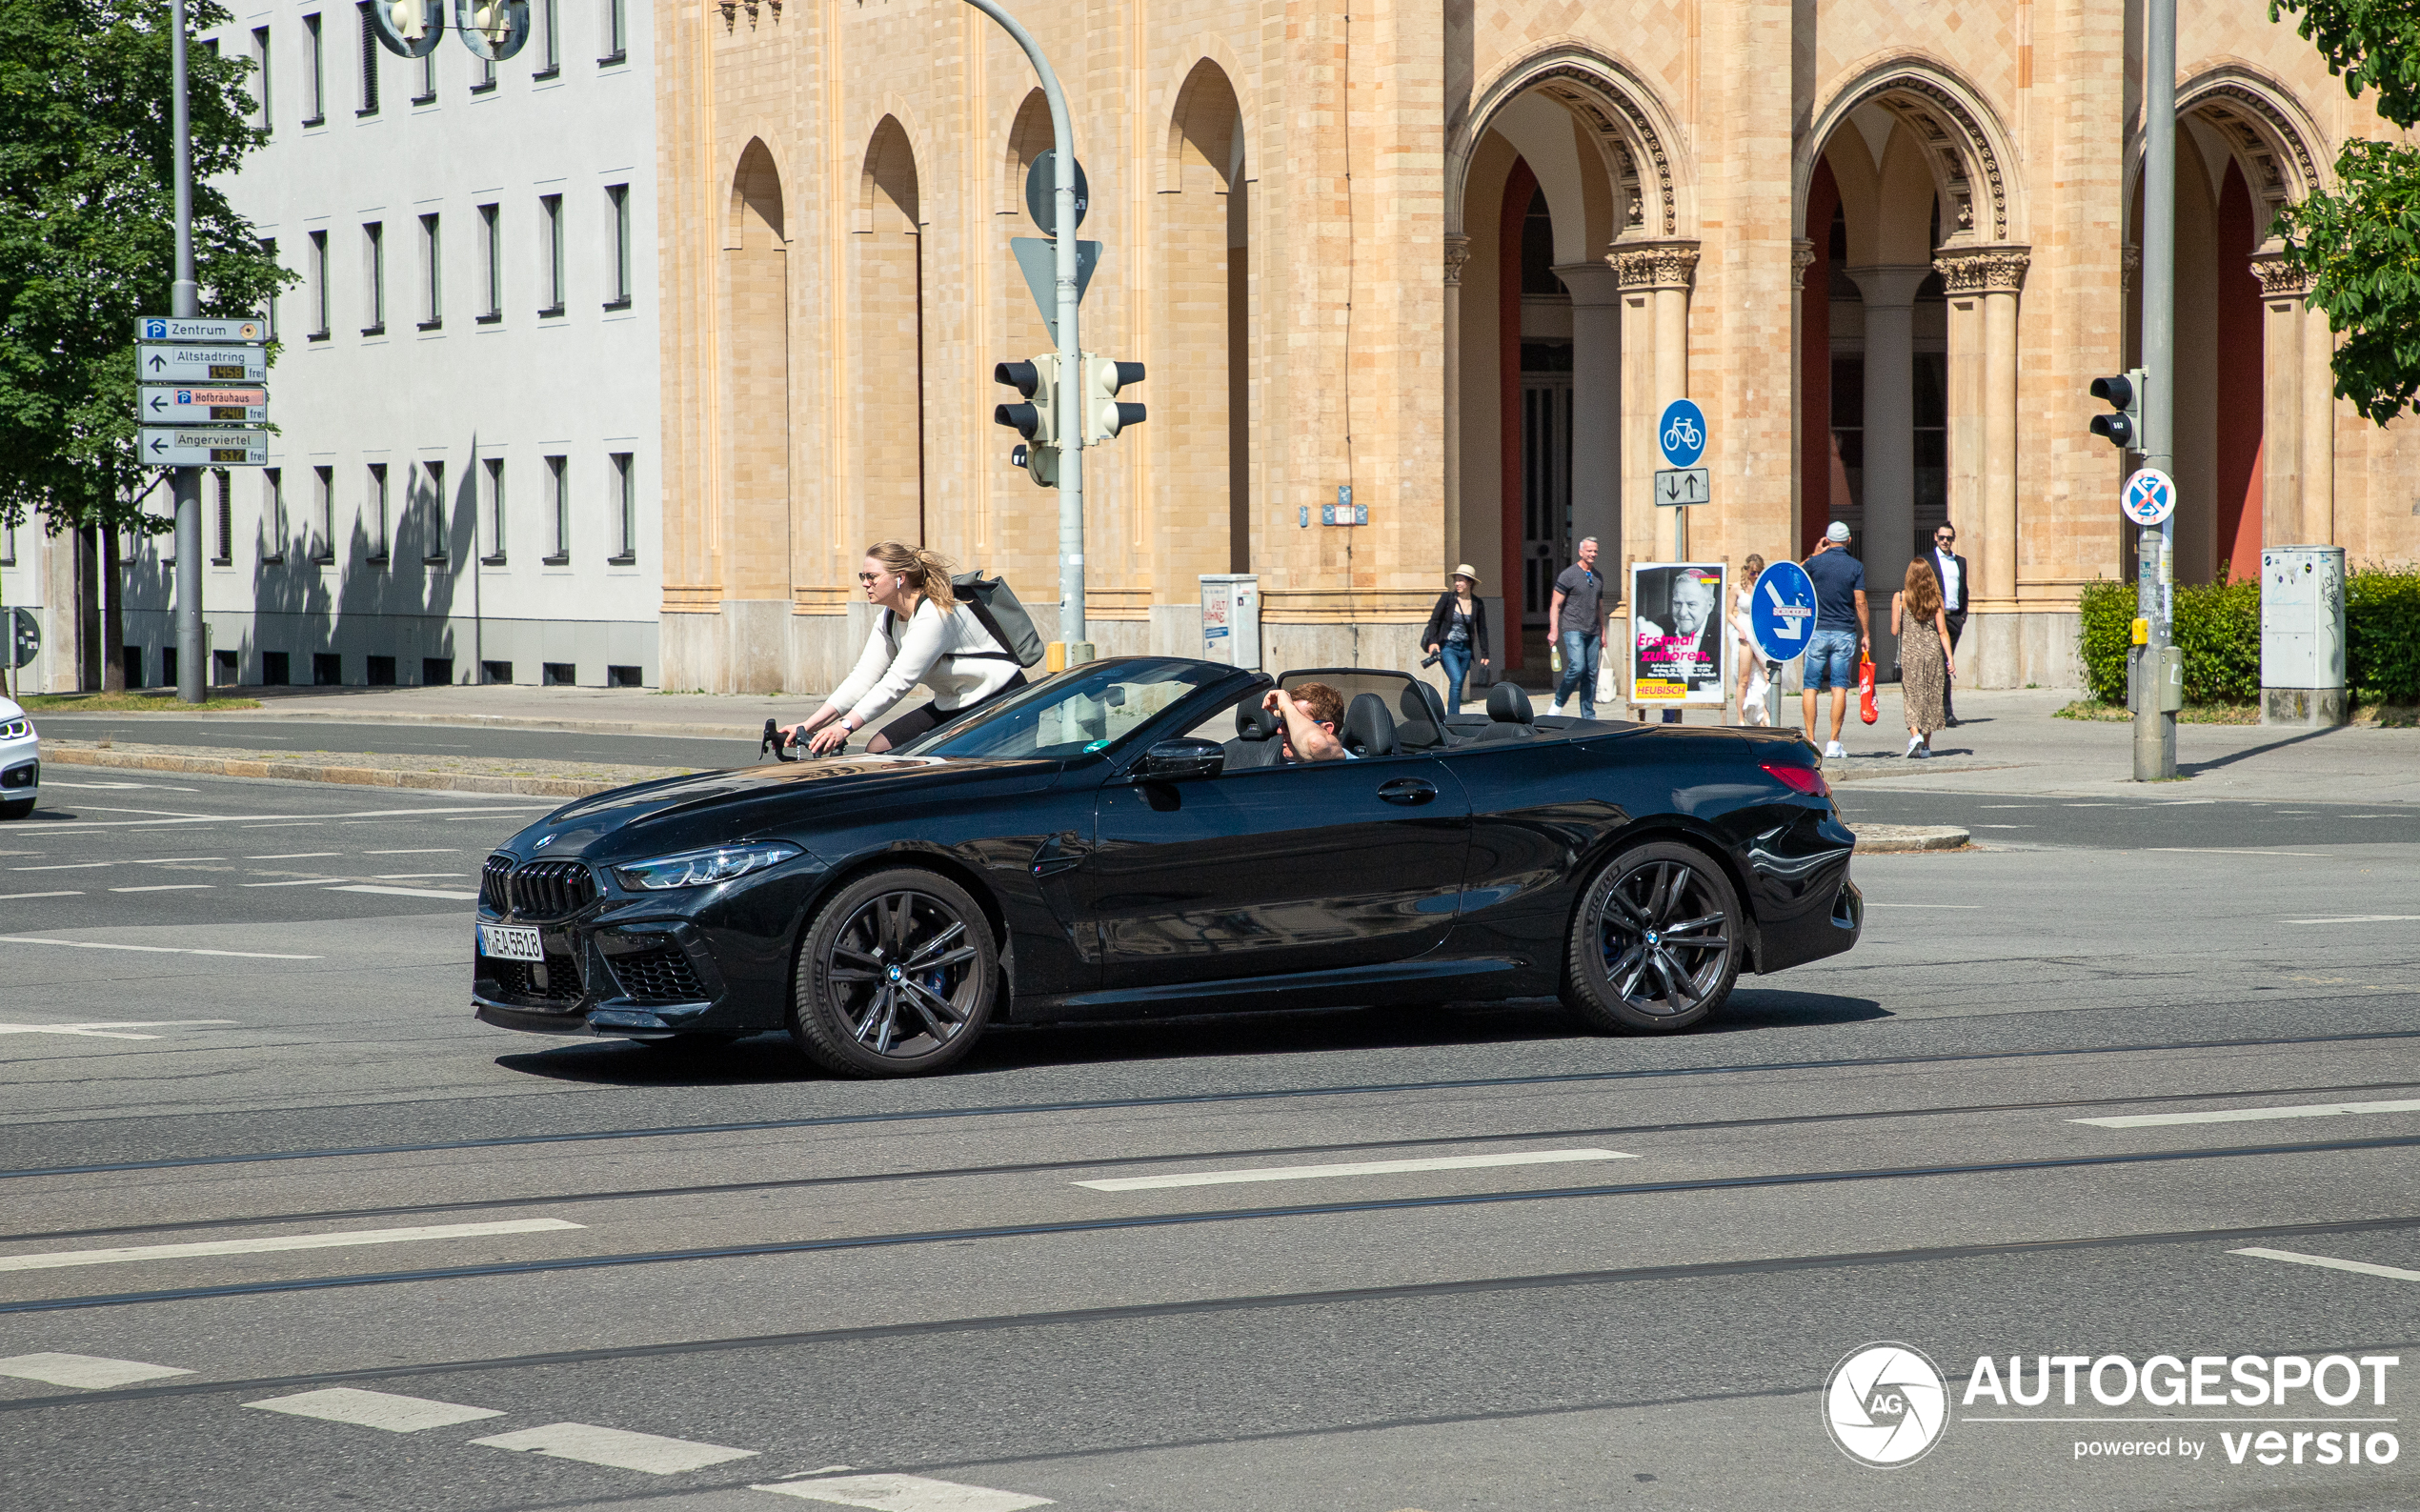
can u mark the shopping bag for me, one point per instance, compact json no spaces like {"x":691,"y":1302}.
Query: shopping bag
{"x":1866,"y":709}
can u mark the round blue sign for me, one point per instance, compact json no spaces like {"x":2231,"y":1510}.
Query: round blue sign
{"x":1681,"y":432}
{"x":1782,"y":612}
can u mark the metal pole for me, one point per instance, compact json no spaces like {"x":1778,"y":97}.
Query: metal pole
{"x":1071,"y":378}
{"x":185,"y":302}
{"x":2155,"y":732}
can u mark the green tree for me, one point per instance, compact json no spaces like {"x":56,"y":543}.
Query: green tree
{"x":2359,"y":243}
{"x":87,"y":243}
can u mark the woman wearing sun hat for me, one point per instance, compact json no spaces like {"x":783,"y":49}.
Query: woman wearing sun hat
{"x":1457,"y":631}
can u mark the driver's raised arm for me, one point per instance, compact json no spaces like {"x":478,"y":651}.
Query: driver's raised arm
{"x":1311,"y":740}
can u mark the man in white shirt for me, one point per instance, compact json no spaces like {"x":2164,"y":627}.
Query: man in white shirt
{"x":1951,"y":568}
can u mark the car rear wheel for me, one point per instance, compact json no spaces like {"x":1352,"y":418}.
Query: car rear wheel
{"x":1657,"y":943}
{"x":896,"y":976}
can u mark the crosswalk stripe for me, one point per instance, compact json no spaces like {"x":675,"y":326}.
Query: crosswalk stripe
{"x":84,"y":1372}
{"x":903,"y":1493}
{"x":616,"y":1447}
{"x":374,"y":1409}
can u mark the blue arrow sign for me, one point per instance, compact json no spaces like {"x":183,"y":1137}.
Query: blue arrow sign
{"x":1781,"y":615}
{"x":1681,"y":432}
{"x":2149,"y":497}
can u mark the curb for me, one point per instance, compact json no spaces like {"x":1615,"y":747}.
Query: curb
{"x":1883,"y":838}
{"x":57,"y":754}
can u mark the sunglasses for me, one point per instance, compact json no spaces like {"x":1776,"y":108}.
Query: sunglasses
{"x":870,"y":577}
{"x":1946,"y":540}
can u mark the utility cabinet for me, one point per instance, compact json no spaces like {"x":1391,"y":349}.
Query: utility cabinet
{"x":2302,"y":635}
{"x":1230,"y":618}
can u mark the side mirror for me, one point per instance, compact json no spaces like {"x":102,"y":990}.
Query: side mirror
{"x":1180,"y":761}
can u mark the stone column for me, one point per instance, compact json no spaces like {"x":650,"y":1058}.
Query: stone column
{"x":1654,"y":278}
{"x":1889,"y":499}
{"x":2319,"y":429}
{"x":1801,"y":259}
{"x":1596,"y":403}
{"x":1992,"y":276}
{"x":1457,"y":254}
{"x":2282,"y":406}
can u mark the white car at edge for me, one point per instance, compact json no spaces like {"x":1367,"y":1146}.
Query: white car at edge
{"x":20,"y":761}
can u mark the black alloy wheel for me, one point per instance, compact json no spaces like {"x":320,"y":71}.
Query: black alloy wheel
{"x":896,"y":975}
{"x":1657,"y":943}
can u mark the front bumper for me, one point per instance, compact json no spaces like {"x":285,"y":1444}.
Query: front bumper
{"x":20,"y":772}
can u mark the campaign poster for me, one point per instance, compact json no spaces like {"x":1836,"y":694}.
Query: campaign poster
{"x":1678,"y":643}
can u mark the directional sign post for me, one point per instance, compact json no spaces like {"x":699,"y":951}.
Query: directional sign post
{"x":1783,"y":606}
{"x":1681,"y":432}
{"x":173,"y":329}
{"x":1679,"y":487}
{"x":167,"y":404}
{"x":198,"y":364}
{"x":199,"y":446}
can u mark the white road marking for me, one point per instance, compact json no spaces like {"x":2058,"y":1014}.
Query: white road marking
{"x":374,"y":1409}
{"x":439,"y":850}
{"x":2357,"y":1267}
{"x":2306,"y":1110}
{"x":296,"y":855}
{"x":63,"y":866}
{"x":1306,"y":1173}
{"x":410,"y":892}
{"x":904,"y":1493}
{"x":162,"y":787}
{"x":2357,"y":919}
{"x":281,"y":821}
{"x":165,"y":887}
{"x":107,"y":1030}
{"x":417,"y":877}
{"x":617,"y":1447}
{"x":2221,"y":849}
{"x":301,"y":881}
{"x":60,"y":1260}
{"x":84,"y":1372}
{"x":170,"y":861}
{"x":71,"y":893}
{"x":1936,"y":905}
{"x":154,"y":950}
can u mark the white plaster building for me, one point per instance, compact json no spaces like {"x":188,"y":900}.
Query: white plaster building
{"x":464,"y":487}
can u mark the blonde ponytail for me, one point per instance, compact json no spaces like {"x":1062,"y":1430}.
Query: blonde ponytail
{"x":927,"y":573}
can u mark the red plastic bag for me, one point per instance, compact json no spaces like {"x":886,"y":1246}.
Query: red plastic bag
{"x":1866,"y":709}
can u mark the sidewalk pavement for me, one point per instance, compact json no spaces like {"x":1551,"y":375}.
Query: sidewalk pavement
{"x":511,"y":706}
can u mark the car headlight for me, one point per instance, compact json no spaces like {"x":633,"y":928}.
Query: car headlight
{"x":704,"y":868}
{"x":17,"y":730}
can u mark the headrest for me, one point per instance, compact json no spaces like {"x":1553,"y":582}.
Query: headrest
{"x":1369,"y":730}
{"x":1252,"y":722}
{"x":1508,"y":703}
{"x":1422,"y":701}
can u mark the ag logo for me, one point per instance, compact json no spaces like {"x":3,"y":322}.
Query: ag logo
{"x":1886,"y":1404}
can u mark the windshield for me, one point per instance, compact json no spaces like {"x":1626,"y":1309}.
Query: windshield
{"x":1082,"y":709}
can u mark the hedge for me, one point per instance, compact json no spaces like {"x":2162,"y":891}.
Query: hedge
{"x":2218,"y":626}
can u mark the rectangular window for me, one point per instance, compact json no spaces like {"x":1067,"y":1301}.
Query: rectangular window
{"x":276,"y":668}
{"x":549,"y":37}
{"x":273,"y":512}
{"x":492,"y":514}
{"x":434,"y":474}
{"x":559,"y":509}
{"x":261,"y":116}
{"x":491,"y":264}
{"x":623,"y":501}
{"x":314,"y":73}
{"x":549,"y":209}
{"x":616,"y":25}
{"x":428,"y":91}
{"x":373,"y":512}
{"x":8,"y":546}
{"x":222,"y":517}
{"x":323,"y":513}
{"x":432,"y":276}
{"x":617,"y":210}
{"x":328,"y":668}
{"x":315,"y":278}
{"x":268,"y":313}
{"x":484,"y":79}
{"x":373,"y":277}
{"x":370,"y":48}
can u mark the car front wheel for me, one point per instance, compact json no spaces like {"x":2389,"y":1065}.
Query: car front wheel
{"x":1657,"y":943}
{"x":22,"y":810}
{"x":896,"y":975}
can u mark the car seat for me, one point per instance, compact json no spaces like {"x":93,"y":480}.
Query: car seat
{"x":1255,"y":743}
{"x":1509,"y":716}
{"x":1423,"y":722}
{"x":1369,"y":729}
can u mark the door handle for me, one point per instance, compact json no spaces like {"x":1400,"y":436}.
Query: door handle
{"x":1411,"y":792}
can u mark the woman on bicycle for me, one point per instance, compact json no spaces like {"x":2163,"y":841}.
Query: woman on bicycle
{"x":924,"y":635}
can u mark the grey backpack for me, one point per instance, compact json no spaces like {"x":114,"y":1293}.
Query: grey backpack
{"x":995,"y":607}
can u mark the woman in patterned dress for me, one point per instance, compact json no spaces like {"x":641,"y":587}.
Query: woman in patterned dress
{"x":1925,"y":667}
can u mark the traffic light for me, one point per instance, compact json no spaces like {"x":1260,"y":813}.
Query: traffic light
{"x":1035,"y":416}
{"x":2123,"y":392}
{"x":1104,"y":417}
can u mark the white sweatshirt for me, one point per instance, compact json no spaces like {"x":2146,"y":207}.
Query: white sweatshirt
{"x":940,"y":651}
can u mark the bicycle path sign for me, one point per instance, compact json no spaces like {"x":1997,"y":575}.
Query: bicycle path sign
{"x":1680,"y":430}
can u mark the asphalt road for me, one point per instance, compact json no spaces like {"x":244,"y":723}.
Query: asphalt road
{"x":604,"y":1276}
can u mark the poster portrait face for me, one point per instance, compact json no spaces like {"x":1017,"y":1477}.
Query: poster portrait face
{"x":1694,"y":597}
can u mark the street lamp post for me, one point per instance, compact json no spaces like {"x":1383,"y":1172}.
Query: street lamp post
{"x":2155,"y":729}
{"x":185,"y":301}
{"x":1070,"y":397}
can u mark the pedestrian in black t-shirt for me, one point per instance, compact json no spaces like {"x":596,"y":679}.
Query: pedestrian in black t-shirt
{"x":1577,"y":620}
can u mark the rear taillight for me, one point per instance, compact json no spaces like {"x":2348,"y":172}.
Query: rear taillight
{"x":1801,"y":779}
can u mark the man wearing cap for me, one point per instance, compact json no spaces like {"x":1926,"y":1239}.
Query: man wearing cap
{"x":1844,"y":634}
{"x":1457,"y":631}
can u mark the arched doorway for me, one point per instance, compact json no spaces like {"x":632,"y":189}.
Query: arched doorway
{"x":1204,"y":455}
{"x":756,"y":414}
{"x":889,"y":270}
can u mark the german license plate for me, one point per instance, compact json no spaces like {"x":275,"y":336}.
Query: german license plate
{"x":509,"y":942}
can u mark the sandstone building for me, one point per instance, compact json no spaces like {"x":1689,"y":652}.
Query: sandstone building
{"x":1456,"y":256}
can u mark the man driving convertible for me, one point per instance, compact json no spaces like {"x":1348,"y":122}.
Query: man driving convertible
{"x":1311,"y":710}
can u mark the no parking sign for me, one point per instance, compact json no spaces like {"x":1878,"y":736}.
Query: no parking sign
{"x":2149,"y":497}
